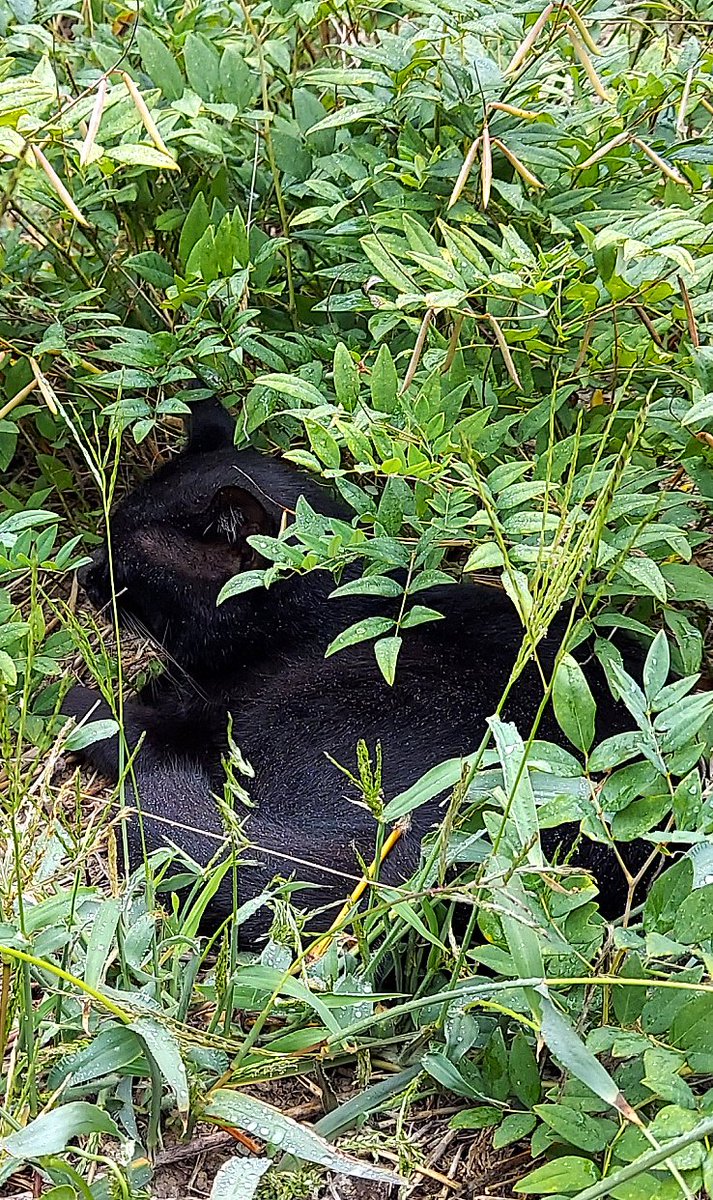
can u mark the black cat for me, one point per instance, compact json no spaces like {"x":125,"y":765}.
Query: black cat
{"x":260,"y":657}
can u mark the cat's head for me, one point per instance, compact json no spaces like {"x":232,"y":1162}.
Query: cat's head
{"x":183,"y":533}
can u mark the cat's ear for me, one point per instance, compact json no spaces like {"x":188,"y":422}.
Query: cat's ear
{"x":235,"y":514}
{"x":210,"y":427}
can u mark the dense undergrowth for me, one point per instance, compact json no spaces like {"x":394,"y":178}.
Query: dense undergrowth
{"x":456,"y":258}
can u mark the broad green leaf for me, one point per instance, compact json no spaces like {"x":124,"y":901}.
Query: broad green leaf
{"x":563,"y":1176}
{"x":161,"y":1045}
{"x":688,"y":582}
{"x":52,"y":1132}
{"x":294,"y":387}
{"x":202,"y":63}
{"x":239,"y":1178}
{"x":482,"y":1117}
{"x":574,"y":703}
{"x":440,"y":1067}
{"x":346,"y":116}
{"x":569,"y":1049}
{"x":360,"y":631}
{"x":484,"y":557}
{"x":524,"y":1071}
{"x":346,"y":377}
{"x":369,"y":585}
{"x":418,"y":614}
{"x":324,"y":445}
{"x":255,"y":1117}
{"x":644,"y":573}
{"x":656,"y":666}
{"x":700,"y":413}
{"x":101,"y":937}
{"x":384,"y":381}
{"x":271,"y":979}
{"x":89,"y":733}
{"x":237,"y":81}
{"x":521,"y":809}
{"x":159,"y":63}
{"x":386,"y":263}
{"x":8,"y":670}
{"x":140,"y":155}
{"x":578,"y":1128}
{"x":436,"y":781}
{"x":629,"y":1001}
{"x":152,"y":267}
{"x":244,"y":582}
{"x":194,"y":226}
{"x":514,"y":1127}
{"x":387,"y":652}
{"x":113,"y":1048}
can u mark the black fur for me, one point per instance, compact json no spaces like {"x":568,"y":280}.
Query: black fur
{"x":260,"y":656}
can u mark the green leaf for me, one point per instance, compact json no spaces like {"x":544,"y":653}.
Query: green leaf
{"x":202,"y":66}
{"x":524,"y":1072}
{"x":656,"y":666}
{"x":694,"y":923}
{"x":369,"y":585}
{"x":384,"y":381}
{"x":629,"y":1001}
{"x":569,"y":1049}
{"x":482,"y":1117}
{"x":161,"y":1045}
{"x":514,"y":1127}
{"x":436,"y":781}
{"x":574,"y":704}
{"x":244,"y":582}
{"x":346,"y":116}
{"x":440,"y":1067}
{"x":269,"y":1124}
{"x":484,"y":557}
{"x":152,"y":267}
{"x":113,"y":1048}
{"x":666,"y":896}
{"x":159,"y":63}
{"x":563,"y":1176}
{"x":324,"y":445}
{"x":52,"y":1132}
{"x":701,"y":413}
{"x":577,"y":1127}
{"x":237,"y":82}
{"x":89,"y":733}
{"x":346,"y":377}
{"x":294,"y":387}
{"x":387,"y":652}
{"x":418,"y":614}
{"x":239,"y":1178}
{"x":521,"y":809}
{"x":386,"y":263}
{"x":688,"y":582}
{"x":8,"y":670}
{"x":194,"y":226}
{"x":140,"y":155}
{"x":101,"y":938}
{"x":644,"y":573}
{"x":360,"y":631}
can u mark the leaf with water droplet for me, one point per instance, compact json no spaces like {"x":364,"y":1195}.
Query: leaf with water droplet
{"x":247,"y":1112}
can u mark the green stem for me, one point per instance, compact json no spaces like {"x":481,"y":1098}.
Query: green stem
{"x":284,"y":218}
{"x":646,"y":1161}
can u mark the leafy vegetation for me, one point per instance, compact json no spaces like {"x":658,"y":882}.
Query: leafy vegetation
{"x":457,"y":259}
